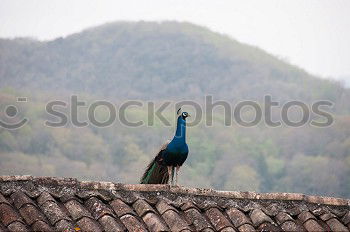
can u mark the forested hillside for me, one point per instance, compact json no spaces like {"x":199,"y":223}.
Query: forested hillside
{"x":132,"y":60}
{"x":160,"y":62}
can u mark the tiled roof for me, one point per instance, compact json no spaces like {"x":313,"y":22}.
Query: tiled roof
{"x":65,"y":204}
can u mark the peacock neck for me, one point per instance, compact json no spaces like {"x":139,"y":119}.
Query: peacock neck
{"x":180,"y":133}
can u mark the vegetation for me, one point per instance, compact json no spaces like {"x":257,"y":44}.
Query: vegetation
{"x":161,"y":62}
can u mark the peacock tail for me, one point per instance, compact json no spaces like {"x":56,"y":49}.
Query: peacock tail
{"x":156,"y":173}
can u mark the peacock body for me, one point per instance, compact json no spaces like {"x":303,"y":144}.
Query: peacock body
{"x":170,"y":158}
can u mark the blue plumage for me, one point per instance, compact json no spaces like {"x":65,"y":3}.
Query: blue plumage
{"x":170,"y":158}
{"x":176,"y":152}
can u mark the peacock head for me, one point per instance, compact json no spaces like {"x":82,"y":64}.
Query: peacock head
{"x":183,"y":115}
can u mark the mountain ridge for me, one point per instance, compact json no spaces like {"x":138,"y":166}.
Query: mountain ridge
{"x":150,"y":60}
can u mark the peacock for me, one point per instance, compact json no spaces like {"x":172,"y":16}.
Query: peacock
{"x":170,"y":157}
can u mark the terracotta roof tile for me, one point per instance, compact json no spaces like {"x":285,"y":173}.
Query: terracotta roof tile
{"x":121,"y":209}
{"x":53,"y":212}
{"x":227,"y":229}
{"x":258,"y":217}
{"x":111,"y":224}
{"x":346,"y":218}
{"x":311,"y":225}
{"x":142,"y":207}
{"x":67,"y":197}
{"x":76,"y":210}
{"x":207,"y":230}
{"x":297,"y":209}
{"x":218,"y":219}
{"x":2,"y":228}
{"x":305,"y":215}
{"x":327,"y":216}
{"x":162,"y":207}
{"x":324,"y":225}
{"x":266,"y":226}
{"x":175,"y":221}
{"x":31,"y":214}
{"x":289,"y":226}
{"x":102,"y":194}
{"x":271,"y":210}
{"x":187,"y":205}
{"x":320,"y":210}
{"x":65,"y":225}
{"x":20,"y":199}
{"x":3,"y":199}
{"x":199,"y":221}
{"x":154,"y":222}
{"x":127,"y":196}
{"x":246,"y":228}
{"x":41,"y":226}
{"x":335,"y":225}
{"x":339,"y":211}
{"x":87,"y":224}
{"x":45,"y":197}
{"x":237,"y":217}
{"x":65,"y":204}
{"x":8,"y":215}
{"x":98,"y":208}
{"x":17,"y":227}
{"x":283,"y":217}
{"x":205,"y":204}
{"x":132,"y":223}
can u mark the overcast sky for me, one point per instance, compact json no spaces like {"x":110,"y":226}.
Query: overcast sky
{"x":313,"y":34}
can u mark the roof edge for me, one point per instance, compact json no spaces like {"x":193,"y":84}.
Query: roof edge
{"x":110,"y":186}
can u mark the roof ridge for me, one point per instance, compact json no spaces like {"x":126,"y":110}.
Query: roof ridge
{"x":110,"y":186}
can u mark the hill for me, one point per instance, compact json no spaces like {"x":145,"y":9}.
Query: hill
{"x":148,"y":60}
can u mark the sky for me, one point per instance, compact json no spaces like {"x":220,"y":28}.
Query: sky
{"x":313,"y":34}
